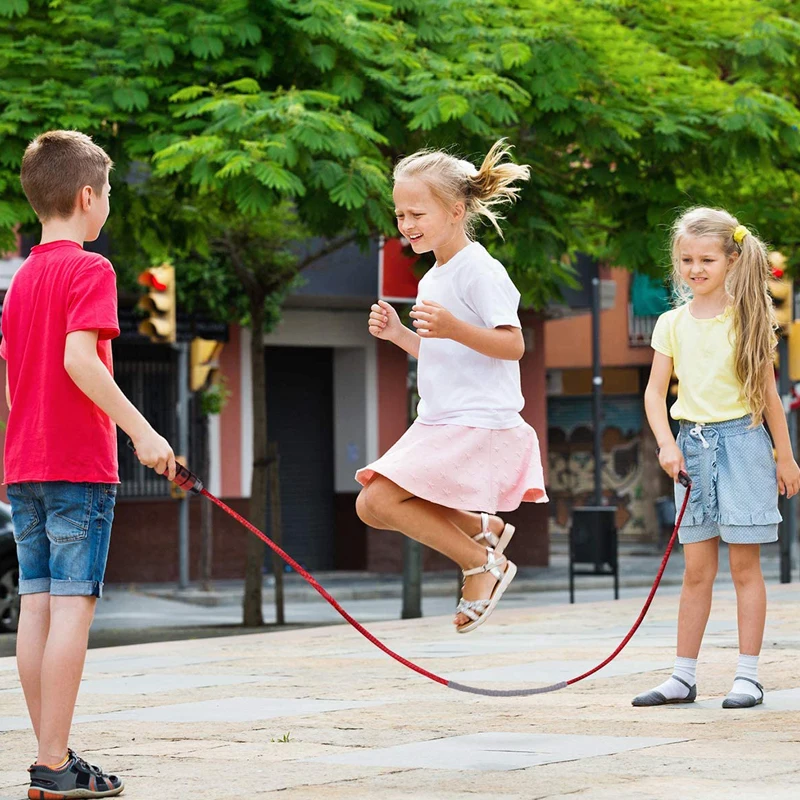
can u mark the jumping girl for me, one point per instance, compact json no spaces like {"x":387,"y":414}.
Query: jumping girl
{"x":720,"y":341}
{"x":469,"y":449}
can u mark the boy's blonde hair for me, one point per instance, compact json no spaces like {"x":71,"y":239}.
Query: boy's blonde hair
{"x":753,"y":314}
{"x":452,"y":179}
{"x":56,"y":166}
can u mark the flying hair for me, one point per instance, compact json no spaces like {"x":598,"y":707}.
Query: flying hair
{"x":482,"y":190}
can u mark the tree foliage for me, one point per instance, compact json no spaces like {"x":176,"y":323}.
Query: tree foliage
{"x":626,"y":111}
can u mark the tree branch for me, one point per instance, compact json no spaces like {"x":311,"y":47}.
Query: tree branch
{"x":246,"y":275}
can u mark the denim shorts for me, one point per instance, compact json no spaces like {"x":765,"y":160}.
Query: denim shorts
{"x":734,"y":483}
{"x":62,"y":531}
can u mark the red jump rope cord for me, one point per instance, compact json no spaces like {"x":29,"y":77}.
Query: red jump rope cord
{"x":311,"y":580}
{"x":404,"y":661}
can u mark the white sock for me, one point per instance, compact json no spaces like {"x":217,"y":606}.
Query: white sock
{"x":686,"y":670}
{"x":747,"y":668}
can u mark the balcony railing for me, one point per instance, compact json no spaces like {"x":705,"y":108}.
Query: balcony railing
{"x":640,"y":329}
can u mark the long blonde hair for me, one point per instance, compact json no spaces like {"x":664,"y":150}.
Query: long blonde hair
{"x":453,"y":179}
{"x":746,"y":283}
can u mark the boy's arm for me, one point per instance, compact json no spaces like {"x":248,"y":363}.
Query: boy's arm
{"x":8,"y":391}
{"x":90,"y":375}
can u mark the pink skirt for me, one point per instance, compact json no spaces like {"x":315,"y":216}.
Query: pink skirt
{"x":471,"y":469}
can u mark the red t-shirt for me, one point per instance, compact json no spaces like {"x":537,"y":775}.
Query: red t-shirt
{"x":55,"y":432}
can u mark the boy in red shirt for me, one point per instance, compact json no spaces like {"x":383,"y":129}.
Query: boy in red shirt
{"x":59,"y":316}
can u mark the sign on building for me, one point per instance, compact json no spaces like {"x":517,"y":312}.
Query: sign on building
{"x":397,"y":282}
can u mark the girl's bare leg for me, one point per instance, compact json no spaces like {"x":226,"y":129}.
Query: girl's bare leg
{"x":427,"y":523}
{"x":695,"y":606}
{"x":466,"y":521}
{"x":751,"y":596}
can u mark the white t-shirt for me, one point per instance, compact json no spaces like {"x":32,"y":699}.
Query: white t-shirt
{"x":458,"y":385}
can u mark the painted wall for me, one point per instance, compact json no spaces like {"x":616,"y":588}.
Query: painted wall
{"x":350,"y":413}
{"x":228,"y":454}
{"x":571,"y":459}
{"x":568,"y":342}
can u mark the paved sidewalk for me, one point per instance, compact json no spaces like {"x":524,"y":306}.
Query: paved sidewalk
{"x":321,"y":714}
{"x":638,"y":565}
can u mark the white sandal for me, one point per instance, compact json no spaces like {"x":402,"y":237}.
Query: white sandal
{"x":479,"y":611}
{"x":498,"y":543}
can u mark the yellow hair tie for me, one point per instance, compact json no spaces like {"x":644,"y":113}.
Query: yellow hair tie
{"x":740,"y":233}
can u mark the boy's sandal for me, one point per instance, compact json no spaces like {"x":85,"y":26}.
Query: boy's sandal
{"x":497,"y":543}
{"x":479,"y":611}
{"x":75,"y":779}
{"x":736,"y":700}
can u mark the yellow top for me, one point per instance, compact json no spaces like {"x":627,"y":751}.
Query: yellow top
{"x":702,"y":351}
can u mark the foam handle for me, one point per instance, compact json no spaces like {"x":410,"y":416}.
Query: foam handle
{"x":184,"y":478}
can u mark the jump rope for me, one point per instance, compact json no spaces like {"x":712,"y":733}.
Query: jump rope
{"x":189,"y":482}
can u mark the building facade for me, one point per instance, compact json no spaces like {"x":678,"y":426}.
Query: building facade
{"x":336,"y":399}
{"x":632,"y":479}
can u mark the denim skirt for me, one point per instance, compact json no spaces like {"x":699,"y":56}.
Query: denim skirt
{"x":734,"y":491}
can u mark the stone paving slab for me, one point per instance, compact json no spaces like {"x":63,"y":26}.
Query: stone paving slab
{"x":155,"y":683}
{"x":138,"y":663}
{"x":324,"y":715}
{"x":496,"y":752}
{"x":554,"y":671}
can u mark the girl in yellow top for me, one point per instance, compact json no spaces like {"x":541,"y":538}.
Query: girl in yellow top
{"x":720,"y":341}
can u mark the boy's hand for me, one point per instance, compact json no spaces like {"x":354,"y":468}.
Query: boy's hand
{"x":433,"y":321}
{"x":788,"y":477}
{"x":671,"y":460}
{"x":384,"y":322}
{"x":154,"y":451}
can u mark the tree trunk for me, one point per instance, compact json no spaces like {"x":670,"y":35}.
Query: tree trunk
{"x":253,"y":616}
{"x":276,"y":529}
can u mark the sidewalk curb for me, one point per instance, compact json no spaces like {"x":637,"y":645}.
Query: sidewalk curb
{"x":432,"y":589}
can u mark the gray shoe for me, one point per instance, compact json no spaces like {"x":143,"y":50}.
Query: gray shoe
{"x":655,"y":698}
{"x":75,"y":779}
{"x":736,"y":700}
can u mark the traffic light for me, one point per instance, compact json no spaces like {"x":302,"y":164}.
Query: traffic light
{"x":782,"y":292}
{"x":159,"y":303}
{"x":203,"y":358}
{"x":794,"y":351}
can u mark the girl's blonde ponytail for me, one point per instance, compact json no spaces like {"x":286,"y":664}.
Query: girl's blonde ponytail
{"x":493,"y":184}
{"x":481,"y":190}
{"x":754,"y":319}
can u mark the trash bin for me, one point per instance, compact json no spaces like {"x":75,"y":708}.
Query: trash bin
{"x":593,"y":540}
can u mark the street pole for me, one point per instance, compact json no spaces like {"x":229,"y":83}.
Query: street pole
{"x":791,"y":503}
{"x":183,"y":448}
{"x":788,"y":529}
{"x":597,"y":392}
{"x":412,"y":550}
{"x":412,"y":579}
